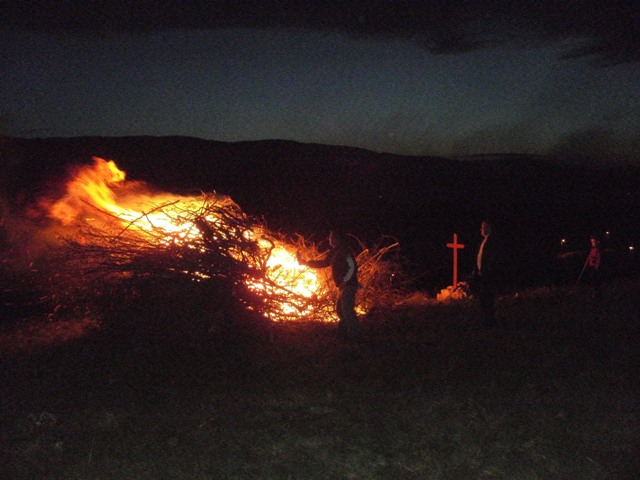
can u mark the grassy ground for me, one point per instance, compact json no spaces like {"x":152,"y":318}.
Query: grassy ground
{"x":173,"y":389}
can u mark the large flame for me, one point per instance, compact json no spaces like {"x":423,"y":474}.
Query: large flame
{"x":100,"y":191}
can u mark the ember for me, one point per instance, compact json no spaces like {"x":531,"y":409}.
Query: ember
{"x":115,"y":226}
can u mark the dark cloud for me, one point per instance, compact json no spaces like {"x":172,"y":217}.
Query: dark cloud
{"x":606,"y":30}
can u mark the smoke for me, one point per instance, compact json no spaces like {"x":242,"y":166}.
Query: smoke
{"x":23,"y":241}
{"x":26,"y":234}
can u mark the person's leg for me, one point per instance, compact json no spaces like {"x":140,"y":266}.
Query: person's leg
{"x":348,"y":309}
{"x":597,"y":285}
{"x":487,"y":305}
{"x":340,"y":311}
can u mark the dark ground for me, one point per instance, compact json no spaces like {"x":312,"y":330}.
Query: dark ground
{"x":166,"y":387}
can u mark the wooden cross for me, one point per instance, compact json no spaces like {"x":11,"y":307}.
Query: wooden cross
{"x":455,"y":245}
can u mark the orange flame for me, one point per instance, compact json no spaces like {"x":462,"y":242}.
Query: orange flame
{"x":102,"y":188}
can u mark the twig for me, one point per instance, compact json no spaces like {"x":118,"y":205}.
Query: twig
{"x":93,"y":440}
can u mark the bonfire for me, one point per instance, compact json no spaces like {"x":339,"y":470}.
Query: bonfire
{"x":112,"y":229}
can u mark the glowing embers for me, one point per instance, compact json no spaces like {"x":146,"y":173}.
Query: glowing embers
{"x":284,"y":273}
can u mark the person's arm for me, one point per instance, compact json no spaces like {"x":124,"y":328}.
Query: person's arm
{"x":350,"y":270}
{"x":319,"y":263}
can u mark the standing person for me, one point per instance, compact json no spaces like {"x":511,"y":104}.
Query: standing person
{"x":592,"y":266}
{"x":344,"y":271}
{"x":486,"y":272}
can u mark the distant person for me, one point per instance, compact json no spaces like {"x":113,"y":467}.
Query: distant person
{"x":344,"y":270}
{"x":486,"y":273}
{"x":591,"y":267}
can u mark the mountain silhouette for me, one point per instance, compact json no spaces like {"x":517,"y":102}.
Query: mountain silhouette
{"x":310,"y":188}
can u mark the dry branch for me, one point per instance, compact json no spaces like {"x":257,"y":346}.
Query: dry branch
{"x":214,"y":241}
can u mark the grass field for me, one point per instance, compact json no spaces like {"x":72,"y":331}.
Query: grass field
{"x":167,"y":387}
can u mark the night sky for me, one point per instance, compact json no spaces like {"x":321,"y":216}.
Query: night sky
{"x":408,"y":77}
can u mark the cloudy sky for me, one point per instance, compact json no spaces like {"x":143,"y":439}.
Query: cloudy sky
{"x":409,"y":77}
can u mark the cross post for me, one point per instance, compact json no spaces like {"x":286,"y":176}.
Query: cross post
{"x":455,"y":246}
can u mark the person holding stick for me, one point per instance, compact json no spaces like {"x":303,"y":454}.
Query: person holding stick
{"x":344,"y":270}
{"x":591,"y":267}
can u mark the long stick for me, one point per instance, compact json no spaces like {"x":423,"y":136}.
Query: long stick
{"x":583,"y":269}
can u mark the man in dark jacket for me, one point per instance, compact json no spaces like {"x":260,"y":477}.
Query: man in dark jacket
{"x":486,"y":273}
{"x":345,"y":275}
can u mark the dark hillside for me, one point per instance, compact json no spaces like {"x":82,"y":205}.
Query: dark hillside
{"x":422,"y":201}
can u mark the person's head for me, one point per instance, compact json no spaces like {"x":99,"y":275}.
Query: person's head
{"x":485,"y":228}
{"x":594,"y":241}
{"x":337,"y":239}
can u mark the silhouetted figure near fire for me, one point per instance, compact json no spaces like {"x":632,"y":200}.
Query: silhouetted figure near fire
{"x":591,"y":268}
{"x":344,"y":270}
{"x":486,"y":273}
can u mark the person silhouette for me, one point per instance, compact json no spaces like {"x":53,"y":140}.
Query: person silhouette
{"x":592,"y":266}
{"x":486,"y":273}
{"x":344,"y":270}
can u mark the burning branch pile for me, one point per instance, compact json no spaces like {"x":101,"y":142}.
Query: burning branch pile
{"x":114,"y":231}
